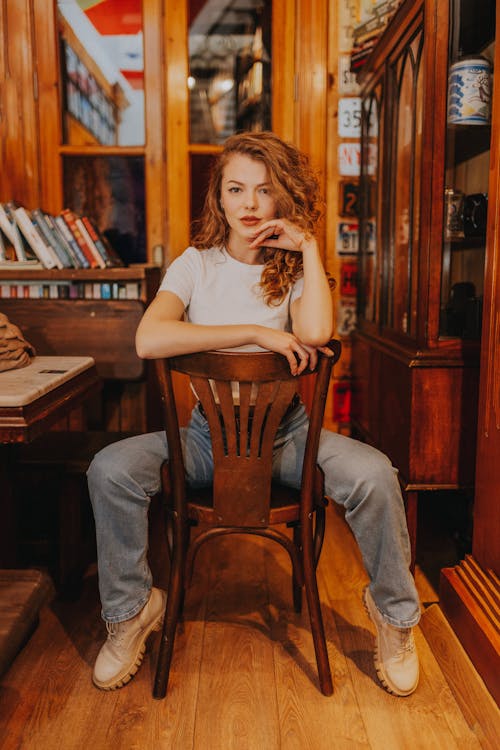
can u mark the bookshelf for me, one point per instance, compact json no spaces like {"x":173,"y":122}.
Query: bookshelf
{"x":137,"y":281}
{"x":103,"y":328}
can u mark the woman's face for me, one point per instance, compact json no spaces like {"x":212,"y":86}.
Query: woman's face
{"x":246,"y":198}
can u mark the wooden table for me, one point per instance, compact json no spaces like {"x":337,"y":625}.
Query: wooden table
{"x":32,"y":399}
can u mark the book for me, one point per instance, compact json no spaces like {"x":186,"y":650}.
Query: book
{"x":43,"y":252}
{"x":111,"y":258}
{"x":11,"y":230}
{"x":70,"y":219}
{"x":7,"y":250}
{"x":101,"y":263}
{"x":59,"y":260}
{"x":105,"y":290}
{"x":68,"y":236}
{"x":40,"y":223}
{"x":115,"y":259}
{"x":3,"y":249}
{"x":61,"y":239}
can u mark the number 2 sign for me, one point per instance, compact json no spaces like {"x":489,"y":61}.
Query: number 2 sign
{"x":346,"y":317}
{"x":348,"y":198}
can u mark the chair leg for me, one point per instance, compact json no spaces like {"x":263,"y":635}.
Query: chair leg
{"x":175,"y":596}
{"x":315,"y":616}
{"x":319,"y":533}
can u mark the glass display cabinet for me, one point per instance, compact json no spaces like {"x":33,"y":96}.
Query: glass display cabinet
{"x":467,"y":156}
{"x":424,"y":181}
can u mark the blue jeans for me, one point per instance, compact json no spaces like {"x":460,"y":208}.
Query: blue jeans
{"x":124,"y":476}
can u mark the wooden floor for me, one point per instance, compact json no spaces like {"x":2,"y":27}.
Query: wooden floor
{"x":243,"y":673}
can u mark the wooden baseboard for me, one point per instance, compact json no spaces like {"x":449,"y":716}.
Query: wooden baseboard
{"x":470,"y":599}
{"x":469,"y":690}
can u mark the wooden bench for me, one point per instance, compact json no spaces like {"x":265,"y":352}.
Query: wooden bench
{"x":22,"y":595}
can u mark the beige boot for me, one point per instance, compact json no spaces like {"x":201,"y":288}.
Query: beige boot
{"x":121,"y":655}
{"x":396,"y":658}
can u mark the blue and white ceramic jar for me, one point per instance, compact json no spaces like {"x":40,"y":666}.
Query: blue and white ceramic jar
{"x":469,"y":92}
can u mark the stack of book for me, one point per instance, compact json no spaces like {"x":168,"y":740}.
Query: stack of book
{"x":37,"y":239}
{"x":366,"y":34}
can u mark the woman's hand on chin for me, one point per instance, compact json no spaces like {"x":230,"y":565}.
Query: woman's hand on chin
{"x":282,"y":234}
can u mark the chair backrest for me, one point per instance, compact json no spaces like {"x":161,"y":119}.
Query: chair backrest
{"x":244,"y":397}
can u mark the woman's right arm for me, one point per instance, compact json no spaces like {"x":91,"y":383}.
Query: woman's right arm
{"x":163,"y":333}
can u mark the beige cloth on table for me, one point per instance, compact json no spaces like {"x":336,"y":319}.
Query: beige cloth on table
{"x":15,"y":351}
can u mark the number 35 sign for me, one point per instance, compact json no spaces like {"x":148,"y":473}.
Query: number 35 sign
{"x":349,"y":122}
{"x":350,"y":117}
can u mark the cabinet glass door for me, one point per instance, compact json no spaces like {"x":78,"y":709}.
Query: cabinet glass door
{"x":370,"y":195}
{"x":468,"y":134}
{"x":399,"y":299}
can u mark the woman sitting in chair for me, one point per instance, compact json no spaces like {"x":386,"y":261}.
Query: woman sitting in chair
{"x":254,"y":281}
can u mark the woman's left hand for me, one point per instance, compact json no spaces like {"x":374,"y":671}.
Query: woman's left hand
{"x":282,"y":234}
{"x":313,"y":354}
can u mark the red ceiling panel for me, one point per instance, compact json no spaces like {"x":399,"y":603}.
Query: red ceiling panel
{"x":111,"y":17}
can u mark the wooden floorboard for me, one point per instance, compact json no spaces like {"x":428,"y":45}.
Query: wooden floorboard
{"x":243,"y":674}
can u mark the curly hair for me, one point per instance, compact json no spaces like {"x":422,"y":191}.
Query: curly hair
{"x":297,"y":195}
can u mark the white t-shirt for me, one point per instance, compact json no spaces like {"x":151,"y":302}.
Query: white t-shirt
{"x":217,"y":289}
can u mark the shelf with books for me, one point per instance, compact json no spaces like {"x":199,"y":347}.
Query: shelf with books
{"x":137,"y":281}
{"x":63,"y":241}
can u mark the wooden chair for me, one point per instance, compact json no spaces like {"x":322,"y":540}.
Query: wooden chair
{"x":243,"y":498}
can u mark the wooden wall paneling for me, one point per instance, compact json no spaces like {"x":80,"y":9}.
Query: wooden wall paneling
{"x":283,"y":68}
{"x":177,"y":128}
{"x":311,"y":64}
{"x":133,"y":408}
{"x":21,"y":167}
{"x":156,"y":119}
{"x":176,"y":115}
{"x":4,"y":72}
{"x":331,"y":125}
{"x":46,"y":45}
{"x":311,"y":60}
{"x":111,"y":405}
